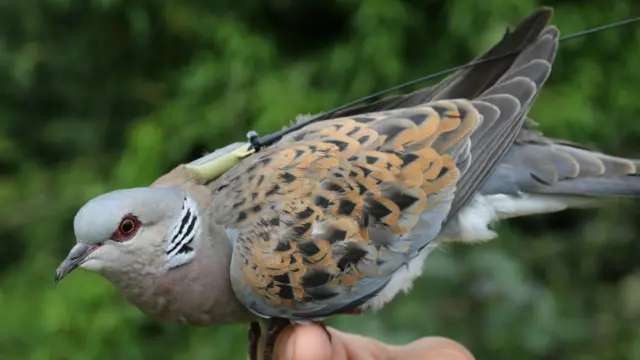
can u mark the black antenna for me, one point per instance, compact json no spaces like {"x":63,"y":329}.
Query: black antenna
{"x":258,"y":143}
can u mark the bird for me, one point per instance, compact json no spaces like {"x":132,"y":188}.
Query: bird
{"x":338,"y":217}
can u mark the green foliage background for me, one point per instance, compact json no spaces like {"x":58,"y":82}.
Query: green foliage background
{"x":104,"y":94}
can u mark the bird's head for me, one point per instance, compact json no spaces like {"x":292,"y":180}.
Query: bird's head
{"x":151,"y":228}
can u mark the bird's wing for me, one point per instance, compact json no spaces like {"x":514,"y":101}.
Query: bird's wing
{"x":471,"y":82}
{"x":322,"y":219}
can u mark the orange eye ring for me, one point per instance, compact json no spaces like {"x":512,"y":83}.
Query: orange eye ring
{"x":127,"y":226}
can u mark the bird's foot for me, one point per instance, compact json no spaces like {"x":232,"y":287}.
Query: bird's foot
{"x":254,"y":339}
{"x":262,"y":344}
{"x":257,"y":335}
{"x":276,"y":326}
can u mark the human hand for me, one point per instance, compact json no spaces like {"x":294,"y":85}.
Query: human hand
{"x":310,"y":342}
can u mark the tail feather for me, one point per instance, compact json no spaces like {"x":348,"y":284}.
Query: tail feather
{"x":536,"y":164}
{"x":622,"y":185}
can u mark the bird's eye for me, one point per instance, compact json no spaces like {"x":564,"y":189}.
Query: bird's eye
{"x":127,"y":226}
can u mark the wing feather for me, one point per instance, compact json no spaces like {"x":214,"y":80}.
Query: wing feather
{"x":324,"y":218}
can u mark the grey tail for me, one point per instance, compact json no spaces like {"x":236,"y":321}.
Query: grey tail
{"x":536,"y":164}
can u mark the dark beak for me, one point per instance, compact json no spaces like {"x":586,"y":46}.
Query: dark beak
{"x":76,"y":257}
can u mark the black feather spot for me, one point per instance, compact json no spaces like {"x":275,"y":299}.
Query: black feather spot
{"x":333,"y":235}
{"x":265,"y":161}
{"x":418,"y":118}
{"x":354,"y":131}
{"x":363,"y":189}
{"x":366,"y":171}
{"x":390,"y":130}
{"x":305,"y":213}
{"x":408,"y":159}
{"x":254,"y":196}
{"x":370,"y":159}
{"x":286,"y":292}
{"x":299,"y":153}
{"x":322,"y":201}
{"x":443,"y":172}
{"x":346,"y":207}
{"x":315,"y":278}
{"x":353,"y":174}
{"x":282,"y":246}
{"x":354,"y":253}
{"x":274,"y":222}
{"x":260,"y":180}
{"x":440,"y":110}
{"x":332,"y":186}
{"x":352,"y":158}
{"x":463,"y":113}
{"x":288,"y":177}
{"x":364,"y":220}
{"x":340,"y":144}
{"x":322,"y":293}
{"x":403,"y":200}
{"x":239,"y":203}
{"x":377,"y":209}
{"x":364,"y":119}
{"x":282,"y":279}
{"x":273,"y":190}
{"x":308,"y":248}
{"x":256,"y":208}
{"x":364,"y":139}
{"x":302,"y":229}
{"x":242,"y":216}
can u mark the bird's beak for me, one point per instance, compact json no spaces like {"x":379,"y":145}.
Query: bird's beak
{"x":76,"y":257}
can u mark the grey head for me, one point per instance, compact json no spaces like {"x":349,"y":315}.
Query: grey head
{"x":139,"y":229}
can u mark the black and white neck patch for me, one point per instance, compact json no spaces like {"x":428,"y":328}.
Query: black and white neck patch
{"x":182,"y":240}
